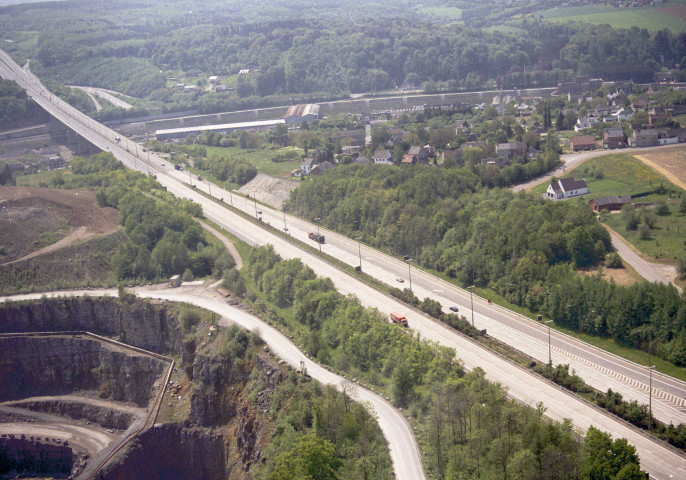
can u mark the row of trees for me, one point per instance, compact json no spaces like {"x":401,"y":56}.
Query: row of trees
{"x":468,"y":427}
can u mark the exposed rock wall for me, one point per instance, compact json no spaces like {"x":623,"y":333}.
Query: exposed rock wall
{"x":35,"y":366}
{"x":24,"y":457}
{"x":170,"y":452}
{"x":143,"y":324}
{"x":106,"y":417}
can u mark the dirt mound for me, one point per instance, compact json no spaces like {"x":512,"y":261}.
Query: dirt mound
{"x":38,"y":220}
{"x":272,"y":191}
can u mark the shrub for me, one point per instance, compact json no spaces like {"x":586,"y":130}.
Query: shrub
{"x":613,"y":260}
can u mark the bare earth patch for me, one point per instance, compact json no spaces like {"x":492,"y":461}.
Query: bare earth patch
{"x":621,"y":276}
{"x":677,"y":11}
{"x":272,"y":191}
{"x":669,"y":162}
{"x":68,"y":217}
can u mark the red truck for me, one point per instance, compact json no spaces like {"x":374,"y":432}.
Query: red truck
{"x":399,"y":318}
{"x":316,"y":237}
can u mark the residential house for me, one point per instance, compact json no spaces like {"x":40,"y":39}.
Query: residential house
{"x":615,"y":202}
{"x":566,"y":188}
{"x":306,"y":165}
{"x":352,"y":150}
{"x":668,"y":137}
{"x":583,"y":123}
{"x":613,"y":138}
{"x":420,"y":153}
{"x":623,"y":115}
{"x":658,"y":115}
{"x":643,"y":138}
{"x":462,"y":127}
{"x":409,"y":159}
{"x":498,"y":162}
{"x":587,"y":142}
{"x":512,"y":149}
{"x":213,"y":79}
{"x":383,"y":156}
{"x":318,"y":170}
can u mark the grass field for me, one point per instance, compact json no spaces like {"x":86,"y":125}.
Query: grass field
{"x":667,"y":240}
{"x":37,"y":179}
{"x":261,"y":158}
{"x":622,"y":175}
{"x":445,"y":13}
{"x":648,"y":18}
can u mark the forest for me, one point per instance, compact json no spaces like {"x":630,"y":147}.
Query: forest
{"x":467,"y":426}
{"x":306,"y":55}
{"x":522,"y":247}
{"x":16,"y":109}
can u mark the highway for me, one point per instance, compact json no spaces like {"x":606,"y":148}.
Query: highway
{"x":597,"y":367}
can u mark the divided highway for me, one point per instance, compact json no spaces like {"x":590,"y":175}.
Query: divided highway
{"x":597,"y":367}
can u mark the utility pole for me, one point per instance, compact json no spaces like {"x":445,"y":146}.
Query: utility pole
{"x":550,"y":353}
{"x":471,"y":301}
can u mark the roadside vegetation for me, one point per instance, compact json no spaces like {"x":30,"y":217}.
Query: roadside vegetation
{"x":466,"y":425}
{"x":524,"y":248}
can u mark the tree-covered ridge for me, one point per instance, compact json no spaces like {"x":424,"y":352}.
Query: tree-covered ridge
{"x":16,"y":109}
{"x":466,"y":425}
{"x":295,"y":49}
{"x":524,"y":248}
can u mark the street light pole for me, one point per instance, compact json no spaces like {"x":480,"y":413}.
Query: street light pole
{"x":359,"y":250}
{"x":409,"y":272}
{"x":550,"y":353}
{"x":471,"y":301}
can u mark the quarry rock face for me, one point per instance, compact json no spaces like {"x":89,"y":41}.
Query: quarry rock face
{"x":35,"y":366}
{"x":193,"y":448}
{"x":170,"y":452}
{"x":141,"y":324}
{"x":34,"y":458}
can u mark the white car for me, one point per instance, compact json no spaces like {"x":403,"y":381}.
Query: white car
{"x":400,"y":279}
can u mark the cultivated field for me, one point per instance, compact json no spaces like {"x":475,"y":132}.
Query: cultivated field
{"x":648,"y":18}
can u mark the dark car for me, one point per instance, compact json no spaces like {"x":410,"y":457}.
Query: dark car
{"x":454,"y":309}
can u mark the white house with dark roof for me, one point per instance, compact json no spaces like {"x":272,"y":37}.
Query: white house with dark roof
{"x":383,"y":156}
{"x":566,"y":188}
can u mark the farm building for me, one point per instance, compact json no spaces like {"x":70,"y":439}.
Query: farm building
{"x":615,"y":202}
{"x":586,"y":142}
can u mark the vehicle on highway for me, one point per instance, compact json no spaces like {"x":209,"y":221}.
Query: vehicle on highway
{"x":162,"y":164}
{"x":178,"y":167}
{"x":400,"y":279}
{"x":259,"y":212}
{"x":454,"y":309}
{"x":116,"y":137}
{"x":199,"y":178}
{"x":316,"y":237}
{"x":399,"y":318}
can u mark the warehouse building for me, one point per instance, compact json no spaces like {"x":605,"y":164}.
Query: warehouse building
{"x":302,"y":113}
